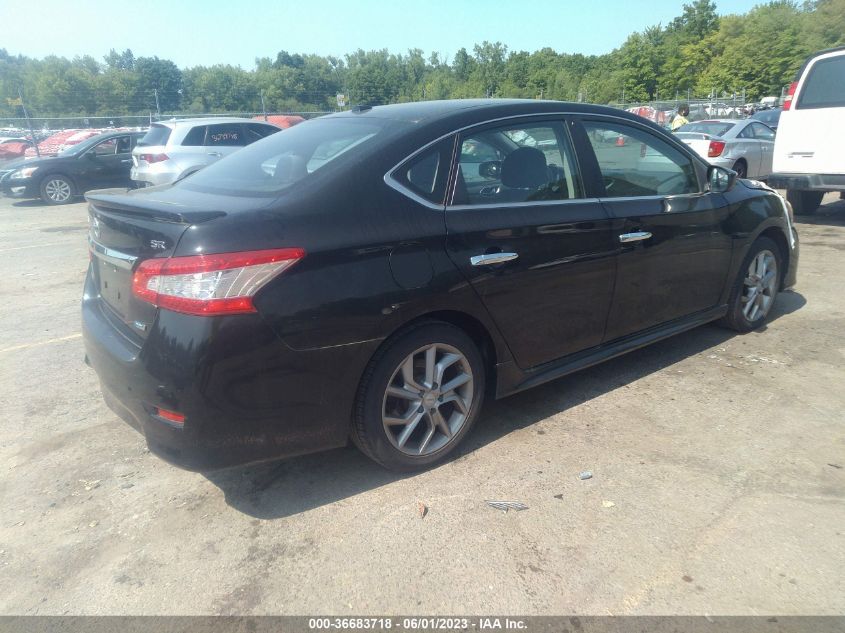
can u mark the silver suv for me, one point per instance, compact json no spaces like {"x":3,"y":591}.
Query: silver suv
{"x":173,"y":149}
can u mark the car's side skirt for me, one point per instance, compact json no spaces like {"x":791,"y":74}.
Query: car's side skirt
{"x":516,"y":380}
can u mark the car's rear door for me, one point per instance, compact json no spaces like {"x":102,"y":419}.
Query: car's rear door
{"x":104,"y":166}
{"x":538,"y":252}
{"x":673,"y":254}
{"x":747,"y":146}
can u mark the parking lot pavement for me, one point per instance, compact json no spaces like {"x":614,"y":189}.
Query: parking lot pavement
{"x":718,"y":481}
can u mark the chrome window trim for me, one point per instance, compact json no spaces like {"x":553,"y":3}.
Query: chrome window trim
{"x":116,"y":258}
{"x":398,"y":186}
{"x":525,"y":203}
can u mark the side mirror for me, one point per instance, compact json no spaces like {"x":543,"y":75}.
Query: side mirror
{"x":490,"y":169}
{"x":721,"y":179}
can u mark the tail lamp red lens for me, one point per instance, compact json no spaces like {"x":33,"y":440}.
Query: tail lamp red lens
{"x":154,"y":158}
{"x":716,"y":148}
{"x":210,"y":285}
{"x":787,"y":101}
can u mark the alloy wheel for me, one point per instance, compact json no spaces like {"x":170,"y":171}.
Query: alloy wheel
{"x":427,"y":400}
{"x":58,"y":190}
{"x":760,"y":286}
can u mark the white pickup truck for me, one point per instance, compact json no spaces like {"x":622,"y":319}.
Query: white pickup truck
{"x":809,"y":154}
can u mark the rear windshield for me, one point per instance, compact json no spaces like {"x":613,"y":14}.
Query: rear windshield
{"x":156,"y":135}
{"x":713,"y":128}
{"x":825,"y":85}
{"x":277,"y":162}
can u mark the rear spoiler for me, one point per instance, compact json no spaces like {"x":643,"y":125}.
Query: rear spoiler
{"x":117,"y":200}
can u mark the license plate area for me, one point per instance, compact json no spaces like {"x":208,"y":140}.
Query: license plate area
{"x":115,"y":286}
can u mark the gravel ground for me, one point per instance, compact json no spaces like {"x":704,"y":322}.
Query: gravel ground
{"x":718,"y":483}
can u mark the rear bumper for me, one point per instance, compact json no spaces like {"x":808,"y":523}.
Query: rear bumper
{"x":245,"y":395}
{"x":152,"y":176}
{"x":807,"y":182}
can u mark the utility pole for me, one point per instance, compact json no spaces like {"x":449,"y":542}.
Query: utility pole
{"x":158,"y":109}
{"x":29,"y":124}
{"x":263,"y":106}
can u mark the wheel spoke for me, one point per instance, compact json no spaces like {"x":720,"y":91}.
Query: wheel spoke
{"x":401,"y":392}
{"x":447,"y":361}
{"x":412,"y":425}
{"x":440,"y":422}
{"x":768,"y":277}
{"x":408,"y":374}
{"x":427,"y":439}
{"x":761,"y":265}
{"x":430,"y":358}
{"x":459,"y":402}
{"x":457,"y":381}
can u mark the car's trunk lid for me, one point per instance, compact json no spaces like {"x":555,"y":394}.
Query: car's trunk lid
{"x":124,"y":231}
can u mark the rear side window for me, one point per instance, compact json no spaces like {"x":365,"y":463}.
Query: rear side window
{"x":634,"y":162}
{"x":824,"y":87}
{"x":426,"y":174}
{"x":225,"y":134}
{"x":514,"y":164}
{"x":156,"y":135}
{"x":195,"y":137}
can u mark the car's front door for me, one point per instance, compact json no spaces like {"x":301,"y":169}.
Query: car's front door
{"x":674,"y":253}
{"x":765,"y":137}
{"x":539,"y":253}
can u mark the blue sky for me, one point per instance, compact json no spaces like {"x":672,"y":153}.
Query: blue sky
{"x":192,"y":32}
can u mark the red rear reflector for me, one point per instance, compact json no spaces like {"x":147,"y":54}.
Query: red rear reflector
{"x":787,"y":102}
{"x":716,"y":148}
{"x":620,"y":141}
{"x":209,"y":285}
{"x":172,"y":416}
{"x":154,"y":158}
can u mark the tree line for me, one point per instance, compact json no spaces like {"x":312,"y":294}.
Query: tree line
{"x":698,"y":54}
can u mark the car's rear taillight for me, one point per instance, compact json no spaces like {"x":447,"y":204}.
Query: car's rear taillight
{"x":154,"y":158}
{"x":209,"y":285}
{"x":715,"y":149}
{"x":787,"y":101}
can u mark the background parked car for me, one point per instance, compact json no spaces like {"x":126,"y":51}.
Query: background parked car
{"x":98,"y":162}
{"x":174,"y":149}
{"x":745,"y":146}
{"x":769,"y":117}
{"x":808,"y":155}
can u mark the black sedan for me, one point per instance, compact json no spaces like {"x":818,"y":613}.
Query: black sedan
{"x":100,"y":162}
{"x":375,"y":274}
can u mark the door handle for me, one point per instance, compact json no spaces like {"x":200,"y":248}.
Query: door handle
{"x":126,"y":160}
{"x":636,"y":236}
{"x":218,"y":154}
{"x":492,"y":258}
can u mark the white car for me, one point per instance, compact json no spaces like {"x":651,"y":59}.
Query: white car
{"x":809,"y":159}
{"x":174,"y":149}
{"x":744,"y":146}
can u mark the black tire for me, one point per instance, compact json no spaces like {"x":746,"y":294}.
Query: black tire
{"x":57,"y":189}
{"x":369,"y":431}
{"x":741,"y":169}
{"x":804,"y":202}
{"x":736,"y":319}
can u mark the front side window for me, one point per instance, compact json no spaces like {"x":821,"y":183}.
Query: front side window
{"x":762,"y":132}
{"x":634,"y":162}
{"x":824,"y":87}
{"x":257,"y":131}
{"x":124,"y":145}
{"x":106,"y":148}
{"x":516,"y":163}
